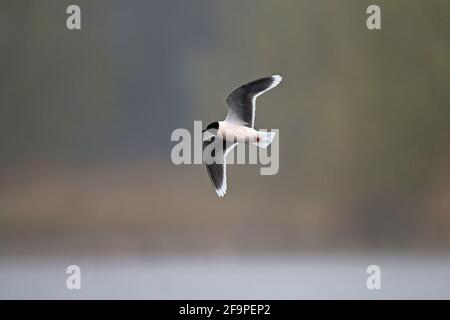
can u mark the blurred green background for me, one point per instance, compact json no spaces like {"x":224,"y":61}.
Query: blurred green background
{"x":86,"y":118}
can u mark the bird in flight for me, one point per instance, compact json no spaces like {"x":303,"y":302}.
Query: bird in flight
{"x":222,"y":136}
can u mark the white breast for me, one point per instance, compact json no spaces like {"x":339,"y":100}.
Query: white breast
{"x":234,"y":132}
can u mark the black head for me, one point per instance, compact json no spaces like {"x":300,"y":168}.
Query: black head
{"x":212,"y":125}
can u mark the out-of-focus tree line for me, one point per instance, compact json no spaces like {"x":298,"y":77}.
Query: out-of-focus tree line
{"x":363,"y":116}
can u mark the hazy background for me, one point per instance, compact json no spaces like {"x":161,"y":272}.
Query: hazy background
{"x":86,"y":118}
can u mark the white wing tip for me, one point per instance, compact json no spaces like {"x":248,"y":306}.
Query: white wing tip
{"x":221,"y":192}
{"x":276,"y":79}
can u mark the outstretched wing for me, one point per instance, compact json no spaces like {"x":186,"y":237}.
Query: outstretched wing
{"x":242,"y":101}
{"x":217,"y":170}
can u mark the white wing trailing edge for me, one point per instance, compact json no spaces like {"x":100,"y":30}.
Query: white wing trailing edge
{"x":242,"y":101}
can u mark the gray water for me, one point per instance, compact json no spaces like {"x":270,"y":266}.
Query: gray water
{"x":201,"y":277}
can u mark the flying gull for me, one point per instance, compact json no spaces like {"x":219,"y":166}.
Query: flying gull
{"x":237,"y":128}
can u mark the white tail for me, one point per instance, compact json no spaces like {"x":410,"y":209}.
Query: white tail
{"x":264,"y":139}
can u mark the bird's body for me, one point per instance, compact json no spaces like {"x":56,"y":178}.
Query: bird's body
{"x":236,"y":128}
{"x":232,"y":132}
